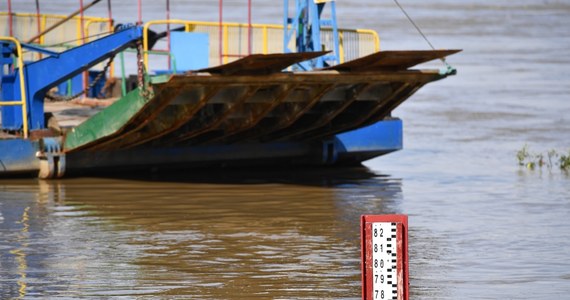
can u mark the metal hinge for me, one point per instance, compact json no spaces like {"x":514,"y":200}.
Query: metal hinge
{"x":52,"y":158}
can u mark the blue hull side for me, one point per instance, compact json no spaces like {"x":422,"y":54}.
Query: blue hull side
{"x":371,"y":141}
{"x":17,"y":156}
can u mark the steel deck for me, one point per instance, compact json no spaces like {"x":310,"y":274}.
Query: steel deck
{"x":252,"y":100}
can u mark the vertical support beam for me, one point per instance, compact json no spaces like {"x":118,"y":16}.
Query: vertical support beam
{"x":123,"y":75}
{"x":168,"y":32}
{"x":341,"y":55}
{"x":110,"y":16}
{"x":265,"y":46}
{"x":139,"y":9}
{"x":43,"y":28}
{"x":249,"y":33}
{"x":314,"y":26}
{"x":39,"y":23}
{"x":285,"y":26}
{"x":336,"y":40}
{"x":220,"y":32}
{"x":38,"y":16}
{"x":306,"y":24}
{"x":10,"y":21}
{"x":82,"y":21}
{"x":226,"y":43}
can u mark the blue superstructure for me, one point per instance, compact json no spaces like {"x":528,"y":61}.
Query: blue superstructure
{"x":304,"y":25}
{"x":56,"y":68}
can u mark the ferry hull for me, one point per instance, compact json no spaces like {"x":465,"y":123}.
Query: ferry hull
{"x":20,"y":156}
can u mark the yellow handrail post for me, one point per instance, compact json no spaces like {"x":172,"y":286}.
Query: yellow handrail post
{"x":145,"y":44}
{"x":375,"y":37}
{"x":341,"y":46}
{"x":226,"y":40}
{"x":265,"y":42}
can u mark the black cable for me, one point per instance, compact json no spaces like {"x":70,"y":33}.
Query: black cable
{"x":417,"y":27}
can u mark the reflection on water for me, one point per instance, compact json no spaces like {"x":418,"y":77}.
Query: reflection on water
{"x":277,"y":234}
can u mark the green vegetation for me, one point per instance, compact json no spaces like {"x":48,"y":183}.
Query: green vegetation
{"x":550,"y":160}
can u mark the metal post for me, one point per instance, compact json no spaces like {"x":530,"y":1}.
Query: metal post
{"x":123,"y":75}
{"x":10,"y":17}
{"x":110,"y":15}
{"x":220,"y":15}
{"x":249,"y":33}
{"x":306,"y":23}
{"x":336,"y":39}
{"x":38,"y":20}
{"x":82,"y":22}
{"x":139,"y":5}
{"x":38,"y":16}
{"x":286,"y":26}
{"x":168,"y":31}
{"x":315,"y":43}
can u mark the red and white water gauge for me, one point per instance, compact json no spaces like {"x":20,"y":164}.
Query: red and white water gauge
{"x":384,"y":257}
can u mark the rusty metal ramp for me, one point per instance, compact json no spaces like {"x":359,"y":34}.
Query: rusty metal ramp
{"x":392,"y":60}
{"x":255,"y":103}
{"x":259,"y":64}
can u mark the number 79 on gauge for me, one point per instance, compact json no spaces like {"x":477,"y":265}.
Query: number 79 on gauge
{"x":384,"y":257}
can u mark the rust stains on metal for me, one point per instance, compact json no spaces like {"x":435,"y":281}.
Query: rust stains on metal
{"x":331,"y":106}
{"x":256,"y":112}
{"x":392,"y":60}
{"x":210,"y":120}
{"x":252,"y":100}
{"x":367,"y":111}
{"x":259,"y":64}
{"x":181,"y":110}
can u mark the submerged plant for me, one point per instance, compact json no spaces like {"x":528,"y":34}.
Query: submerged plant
{"x":565,"y":161}
{"x":522,"y":155}
{"x":533,"y":160}
{"x":551,"y":154}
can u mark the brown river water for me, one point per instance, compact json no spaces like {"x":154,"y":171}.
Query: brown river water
{"x":481,"y":227}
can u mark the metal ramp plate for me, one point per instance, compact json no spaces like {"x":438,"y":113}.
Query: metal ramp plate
{"x":257,"y":64}
{"x":204,"y":108}
{"x":392,"y":60}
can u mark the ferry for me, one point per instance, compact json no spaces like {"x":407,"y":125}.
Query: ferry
{"x":82,"y":93}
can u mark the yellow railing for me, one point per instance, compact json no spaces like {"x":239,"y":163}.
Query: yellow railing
{"x":23,"y":100}
{"x":25,"y":26}
{"x":212,"y":28}
{"x":70,"y":34}
{"x":266,"y":38}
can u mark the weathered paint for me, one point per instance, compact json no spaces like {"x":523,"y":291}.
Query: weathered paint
{"x":106,"y":123}
{"x":349,"y":148}
{"x":258,"y":64}
{"x":382,"y":136}
{"x":196,"y":109}
{"x":18,"y":155}
{"x":392,"y":60}
{"x":395,"y":239}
